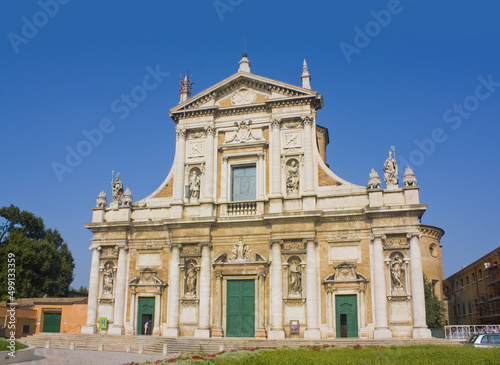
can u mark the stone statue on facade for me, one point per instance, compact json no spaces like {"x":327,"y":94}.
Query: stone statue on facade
{"x":295,"y":283}
{"x":391,"y":172}
{"x":241,"y":252}
{"x":191,"y":278}
{"x":374,"y":181}
{"x":292,"y":177}
{"x":117,"y":187}
{"x":101,"y":201}
{"x":194,"y":185}
{"x":397,"y":273}
{"x":108,"y":279}
{"x":409,"y":179}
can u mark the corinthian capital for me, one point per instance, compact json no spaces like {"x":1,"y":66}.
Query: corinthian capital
{"x":307,"y":120}
{"x":276,"y":123}
{"x":181,"y":133}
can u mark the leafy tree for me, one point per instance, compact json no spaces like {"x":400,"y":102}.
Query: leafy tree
{"x":44,"y":264}
{"x":83,"y":290}
{"x":434,"y":308}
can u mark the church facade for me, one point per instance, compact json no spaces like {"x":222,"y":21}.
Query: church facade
{"x":252,"y":235}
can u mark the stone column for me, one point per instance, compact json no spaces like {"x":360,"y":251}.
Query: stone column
{"x":308,"y":155}
{"x":381,"y":328}
{"x":261,"y":310}
{"x":275,"y":159}
{"x":312,"y":329}
{"x":180,"y":156}
{"x":121,"y":282}
{"x":132,"y":312}
{"x":156,"y":325}
{"x":173,"y":292}
{"x":90,"y":327}
{"x":203,"y":329}
{"x":330,"y":314}
{"x":420,"y":329}
{"x":217,"y":331}
{"x":223,"y":179}
{"x":275,"y":197}
{"x":208,"y":180}
{"x":277,"y":332}
{"x":260,"y":176}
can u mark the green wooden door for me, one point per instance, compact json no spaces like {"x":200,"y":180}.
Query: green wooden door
{"x":346,"y":309}
{"x":240,"y":315}
{"x":52,"y":322}
{"x":145,"y":315}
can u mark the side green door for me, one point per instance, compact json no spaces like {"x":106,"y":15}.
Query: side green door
{"x":346,"y":309}
{"x":145,"y":315}
{"x":240,"y":316}
{"x":52,"y":322}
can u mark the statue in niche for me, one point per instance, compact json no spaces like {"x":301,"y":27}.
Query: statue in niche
{"x":292,"y":177}
{"x":191,"y":278}
{"x":295,"y":284}
{"x":108,"y":278}
{"x":117,"y":187}
{"x":397,"y":273}
{"x":194,"y":185}
{"x":391,"y":171}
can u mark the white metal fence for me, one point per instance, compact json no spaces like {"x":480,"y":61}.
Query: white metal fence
{"x":464,"y":331}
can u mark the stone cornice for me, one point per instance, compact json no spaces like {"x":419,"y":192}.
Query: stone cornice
{"x":432,"y":231}
{"x":416,"y":210}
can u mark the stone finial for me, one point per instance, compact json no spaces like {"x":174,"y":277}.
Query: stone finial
{"x":244,"y":64}
{"x":185,"y":89}
{"x":306,"y":77}
{"x":374,"y":181}
{"x":101,"y":201}
{"x":127,"y":198}
{"x":391,"y":172}
{"x":409,"y":179}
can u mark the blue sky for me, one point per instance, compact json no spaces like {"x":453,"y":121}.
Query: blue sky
{"x":391,"y":73}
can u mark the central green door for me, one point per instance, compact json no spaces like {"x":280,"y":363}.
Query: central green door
{"x":52,"y":322}
{"x":346,"y":309}
{"x":145,"y":315}
{"x":240,"y":318}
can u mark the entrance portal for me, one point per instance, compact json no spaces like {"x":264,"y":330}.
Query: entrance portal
{"x":346,"y":309}
{"x":145,"y":315}
{"x":240,"y":315}
{"x":52,"y":322}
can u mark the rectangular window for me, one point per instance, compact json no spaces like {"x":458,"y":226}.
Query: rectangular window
{"x":467,"y":280}
{"x":470,"y":308}
{"x":244,"y":183}
{"x":26,"y":328}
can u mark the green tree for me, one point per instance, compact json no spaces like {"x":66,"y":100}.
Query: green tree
{"x":43,"y":263}
{"x":434,"y":308}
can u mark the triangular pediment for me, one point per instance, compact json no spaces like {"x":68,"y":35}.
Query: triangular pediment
{"x":242,"y":89}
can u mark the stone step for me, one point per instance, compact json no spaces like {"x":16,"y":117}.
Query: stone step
{"x":175,"y":346}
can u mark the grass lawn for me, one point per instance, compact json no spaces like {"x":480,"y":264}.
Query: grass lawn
{"x":401,"y":355}
{"x":4,"y":345}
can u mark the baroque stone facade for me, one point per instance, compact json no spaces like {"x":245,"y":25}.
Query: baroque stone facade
{"x":251,"y":231}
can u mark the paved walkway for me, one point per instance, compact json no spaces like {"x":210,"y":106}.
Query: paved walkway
{"x":86,"y":357}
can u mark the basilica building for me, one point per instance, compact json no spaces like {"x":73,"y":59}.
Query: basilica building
{"x":252,"y":235}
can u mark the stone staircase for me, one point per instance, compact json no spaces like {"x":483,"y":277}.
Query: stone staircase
{"x":188,"y":345}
